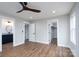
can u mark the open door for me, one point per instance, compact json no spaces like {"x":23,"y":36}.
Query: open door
{"x":32,"y":32}
{"x":26,"y":32}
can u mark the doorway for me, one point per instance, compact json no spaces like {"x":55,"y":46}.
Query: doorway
{"x":7,"y":28}
{"x":29,"y":32}
{"x":54,"y":33}
{"x":32,"y":32}
{"x":26,"y":32}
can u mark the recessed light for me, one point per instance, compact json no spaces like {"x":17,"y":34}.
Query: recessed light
{"x":53,"y":11}
{"x":31,"y":17}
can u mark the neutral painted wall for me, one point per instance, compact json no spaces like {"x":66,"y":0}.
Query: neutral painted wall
{"x":18,"y":27}
{"x":63,"y":31}
{"x":0,"y":40}
{"x":19,"y":31}
{"x":0,"y":35}
{"x":2,"y":28}
{"x":77,"y":27}
{"x":75,"y":47}
{"x":41,"y":31}
{"x":5,"y":23}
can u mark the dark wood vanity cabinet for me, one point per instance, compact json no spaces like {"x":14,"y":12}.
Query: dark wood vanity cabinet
{"x":7,"y":38}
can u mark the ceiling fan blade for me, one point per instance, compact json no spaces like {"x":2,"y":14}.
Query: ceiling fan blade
{"x":21,"y":4}
{"x":25,"y":3}
{"x":33,"y":10}
{"x":19,"y":11}
{"x":27,"y":8}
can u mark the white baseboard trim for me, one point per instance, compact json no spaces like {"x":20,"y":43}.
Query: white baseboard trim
{"x":74,"y":53}
{"x":32,"y":41}
{"x":62,"y":45}
{"x":74,"y":50}
{"x":41,"y":42}
{"x":1,"y":49}
{"x":18,"y":44}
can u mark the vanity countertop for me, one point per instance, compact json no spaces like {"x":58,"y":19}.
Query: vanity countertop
{"x":7,"y":34}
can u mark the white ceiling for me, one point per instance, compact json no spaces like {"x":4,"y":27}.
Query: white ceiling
{"x":60,"y":8}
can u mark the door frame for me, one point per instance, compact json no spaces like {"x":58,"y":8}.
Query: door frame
{"x":31,"y":34}
{"x":53,"y":21}
{"x":25,"y":23}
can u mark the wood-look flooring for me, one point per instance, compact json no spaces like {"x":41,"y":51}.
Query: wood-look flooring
{"x":32,"y":49}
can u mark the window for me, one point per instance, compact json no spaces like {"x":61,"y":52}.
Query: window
{"x":73,"y":28}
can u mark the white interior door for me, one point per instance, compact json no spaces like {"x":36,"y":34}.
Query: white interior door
{"x":32,"y":32}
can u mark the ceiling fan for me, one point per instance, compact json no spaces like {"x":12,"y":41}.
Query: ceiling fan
{"x":24,"y":7}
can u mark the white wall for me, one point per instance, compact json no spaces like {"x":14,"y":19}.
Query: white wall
{"x":75,"y":13}
{"x":2,"y":28}
{"x":19,"y":32}
{"x":18,"y":26}
{"x":0,"y":35}
{"x":5,"y":23}
{"x":41,"y":31}
{"x":63,"y":31}
{"x":77,"y":28}
{"x":0,"y":40}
